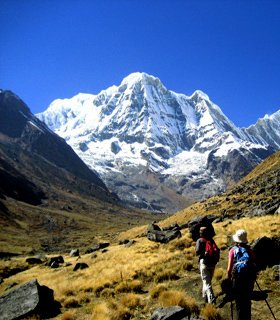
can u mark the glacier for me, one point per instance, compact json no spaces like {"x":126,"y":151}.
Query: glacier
{"x":157,"y":149}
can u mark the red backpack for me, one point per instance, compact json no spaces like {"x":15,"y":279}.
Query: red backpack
{"x":212,"y":252}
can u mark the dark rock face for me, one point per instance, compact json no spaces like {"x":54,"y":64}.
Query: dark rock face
{"x":29,"y":147}
{"x":267,"y":251}
{"x":29,"y":299}
{"x":13,"y":184}
{"x":198,"y":222}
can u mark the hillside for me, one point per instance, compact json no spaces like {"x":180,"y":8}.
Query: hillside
{"x":47,"y":193}
{"x":130,"y":282}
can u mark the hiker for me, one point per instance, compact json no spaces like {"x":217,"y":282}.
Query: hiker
{"x":209,"y":254}
{"x":241,"y":271}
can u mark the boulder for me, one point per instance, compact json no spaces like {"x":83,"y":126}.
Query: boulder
{"x":33,"y":260}
{"x":55,"y":261}
{"x":201,"y":221}
{"x":74,"y":253}
{"x":80,"y":266}
{"x":267,"y":251}
{"x":27,"y":300}
{"x":173,"y":313}
{"x":129,"y":243}
{"x":163,"y":236}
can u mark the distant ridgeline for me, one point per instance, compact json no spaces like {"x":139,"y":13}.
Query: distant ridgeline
{"x":157,"y":149}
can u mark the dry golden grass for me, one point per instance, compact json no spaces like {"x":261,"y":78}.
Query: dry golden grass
{"x":178,"y":298}
{"x":130,"y":282}
{"x":69,"y":315}
{"x":210,"y":312}
{"x":157,"y":290}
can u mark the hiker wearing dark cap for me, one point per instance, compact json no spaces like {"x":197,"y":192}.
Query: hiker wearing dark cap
{"x":209,"y":254}
{"x":242,"y":272}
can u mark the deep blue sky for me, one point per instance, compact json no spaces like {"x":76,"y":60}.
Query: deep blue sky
{"x":229,"y":49}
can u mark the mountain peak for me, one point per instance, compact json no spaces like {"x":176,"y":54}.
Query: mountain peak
{"x":199,"y":94}
{"x":141,"y":77}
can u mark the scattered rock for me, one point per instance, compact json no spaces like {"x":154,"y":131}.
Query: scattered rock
{"x":34,"y":260}
{"x":130,"y":243}
{"x":74,"y":253}
{"x":80,"y":266}
{"x":27,"y":300}
{"x":54,"y":265}
{"x":55,"y":261}
{"x":97,"y":247}
{"x":125,"y":241}
{"x":163,"y":236}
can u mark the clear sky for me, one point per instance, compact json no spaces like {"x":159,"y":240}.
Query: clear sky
{"x":230,"y":49}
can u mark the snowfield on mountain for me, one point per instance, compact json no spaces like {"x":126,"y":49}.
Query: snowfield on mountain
{"x":157,"y":149}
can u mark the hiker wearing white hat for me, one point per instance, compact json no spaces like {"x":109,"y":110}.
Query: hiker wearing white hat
{"x":242,"y":272}
{"x":240,"y":236}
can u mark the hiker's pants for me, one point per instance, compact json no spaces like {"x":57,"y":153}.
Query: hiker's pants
{"x":243,"y":290}
{"x":206,"y":273}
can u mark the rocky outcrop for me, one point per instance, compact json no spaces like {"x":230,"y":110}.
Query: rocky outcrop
{"x":154,"y":233}
{"x":29,"y":299}
{"x":198,"y":222}
{"x":267,"y":252}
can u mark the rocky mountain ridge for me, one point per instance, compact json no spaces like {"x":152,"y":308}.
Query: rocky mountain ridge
{"x":33,"y":158}
{"x":158,"y":149}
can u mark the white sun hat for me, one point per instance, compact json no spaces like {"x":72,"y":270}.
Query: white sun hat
{"x":240,"y":236}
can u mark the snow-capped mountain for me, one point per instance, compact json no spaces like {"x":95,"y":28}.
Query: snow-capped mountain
{"x":155,"y":148}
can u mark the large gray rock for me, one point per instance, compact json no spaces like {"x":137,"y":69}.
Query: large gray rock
{"x":173,"y":313}
{"x":28,"y":299}
{"x":163,"y":236}
{"x":201,"y":221}
{"x":169,"y":313}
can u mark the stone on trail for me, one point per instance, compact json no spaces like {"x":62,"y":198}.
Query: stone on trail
{"x":27,"y":300}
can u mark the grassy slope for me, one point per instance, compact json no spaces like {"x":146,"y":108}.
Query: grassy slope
{"x":123,"y":282}
{"x":129,"y":280}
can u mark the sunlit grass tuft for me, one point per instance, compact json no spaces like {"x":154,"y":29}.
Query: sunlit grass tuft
{"x":210,"y":312}
{"x":178,"y":298}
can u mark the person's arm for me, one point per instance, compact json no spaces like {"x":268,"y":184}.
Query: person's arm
{"x":230,"y":263}
{"x":200,"y":248}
